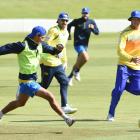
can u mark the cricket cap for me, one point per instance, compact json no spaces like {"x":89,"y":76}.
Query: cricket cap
{"x":134,"y":14}
{"x":85,"y":11}
{"x":37,"y":31}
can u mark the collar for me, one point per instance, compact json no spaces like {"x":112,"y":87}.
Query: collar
{"x":32,"y":44}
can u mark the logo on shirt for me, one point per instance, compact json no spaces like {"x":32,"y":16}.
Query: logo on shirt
{"x":81,"y":37}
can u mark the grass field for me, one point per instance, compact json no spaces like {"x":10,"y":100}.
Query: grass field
{"x":50,"y":9}
{"x":36,"y":121}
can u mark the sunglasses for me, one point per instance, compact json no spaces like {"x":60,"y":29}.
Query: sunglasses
{"x":63,"y":20}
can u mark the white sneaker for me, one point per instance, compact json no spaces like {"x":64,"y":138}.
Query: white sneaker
{"x":77,"y":75}
{"x":1,"y":115}
{"x":110,"y":118}
{"x":70,"y":82}
{"x":69,"y":121}
{"x":68,"y":110}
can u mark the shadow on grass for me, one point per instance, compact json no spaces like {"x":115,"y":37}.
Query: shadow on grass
{"x":90,"y":120}
{"x":17,"y":133}
{"x":7,"y":86}
{"x":28,"y":115}
{"x":134,"y":131}
{"x":77,"y":120}
{"x":30,"y":133}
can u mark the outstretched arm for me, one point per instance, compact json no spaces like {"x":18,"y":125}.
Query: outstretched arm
{"x":12,"y":48}
{"x":52,"y":50}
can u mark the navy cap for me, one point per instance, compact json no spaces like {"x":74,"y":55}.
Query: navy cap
{"x":85,"y":11}
{"x":64,"y":16}
{"x":38,"y":30}
{"x":134,"y":14}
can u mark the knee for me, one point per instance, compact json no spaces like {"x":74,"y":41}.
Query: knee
{"x":44,"y":85}
{"x":64,"y":82}
{"x":117,"y":92}
{"x":86,"y":58}
{"x":133,"y":88}
{"x":135,"y":92}
{"x":51,"y":98}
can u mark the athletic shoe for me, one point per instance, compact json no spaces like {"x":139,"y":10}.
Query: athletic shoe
{"x":1,"y":114}
{"x":70,"y":82}
{"x":110,"y":118}
{"x":77,"y":75}
{"x":69,"y":121}
{"x":68,"y":110}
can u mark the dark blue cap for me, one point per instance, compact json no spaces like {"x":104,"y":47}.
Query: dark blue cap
{"x":37,"y":31}
{"x":134,"y":14}
{"x":64,"y":16}
{"x":85,"y":11}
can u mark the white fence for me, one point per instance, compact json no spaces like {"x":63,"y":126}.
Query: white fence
{"x":25,"y":25}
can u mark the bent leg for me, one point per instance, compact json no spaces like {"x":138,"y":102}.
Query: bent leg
{"x":82,"y":59}
{"x":55,"y":106}
{"x":133,"y":86}
{"x":21,"y":101}
{"x":46,"y":76}
{"x":43,"y":93}
{"x":120,"y":85}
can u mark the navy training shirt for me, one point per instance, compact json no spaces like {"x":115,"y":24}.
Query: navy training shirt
{"x":82,"y":31}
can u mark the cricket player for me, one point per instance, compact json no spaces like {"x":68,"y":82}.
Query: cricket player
{"x":54,"y":65}
{"x":83,"y":28}
{"x":128,"y":71}
{"x":28,"y":55}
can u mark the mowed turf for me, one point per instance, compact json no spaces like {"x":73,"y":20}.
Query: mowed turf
{"x":50,"y":9}
{"x":36,"y":121}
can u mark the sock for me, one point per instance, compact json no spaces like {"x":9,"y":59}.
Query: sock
{"x":1,"y":114}
{"x":76,"y":70}
{"x":71,"y":75}
{"x":64,"y":116}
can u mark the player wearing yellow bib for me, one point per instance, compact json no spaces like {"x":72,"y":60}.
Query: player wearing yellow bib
{"x":28,"y":54}
{"x":54,"y":65}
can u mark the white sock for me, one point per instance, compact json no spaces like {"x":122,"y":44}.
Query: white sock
{"x":64,"y":116}
{"x":1,"y":114}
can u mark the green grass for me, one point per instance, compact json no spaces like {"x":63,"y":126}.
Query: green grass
{"x":36,"y":121}
{"x":50,"y":9}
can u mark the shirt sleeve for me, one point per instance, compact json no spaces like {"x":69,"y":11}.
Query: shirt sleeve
{"x":71,"y":24}
{"x":51,"y":35}
{"x":49,"y":49}
{"x":12,"y":48}
{"x":121,"y":48}
{"x":95,"y":30}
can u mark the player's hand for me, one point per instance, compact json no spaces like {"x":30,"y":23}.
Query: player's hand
{"x":91,"y":26}
{"x":136,"y":60}
{"x":59,"y":47}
